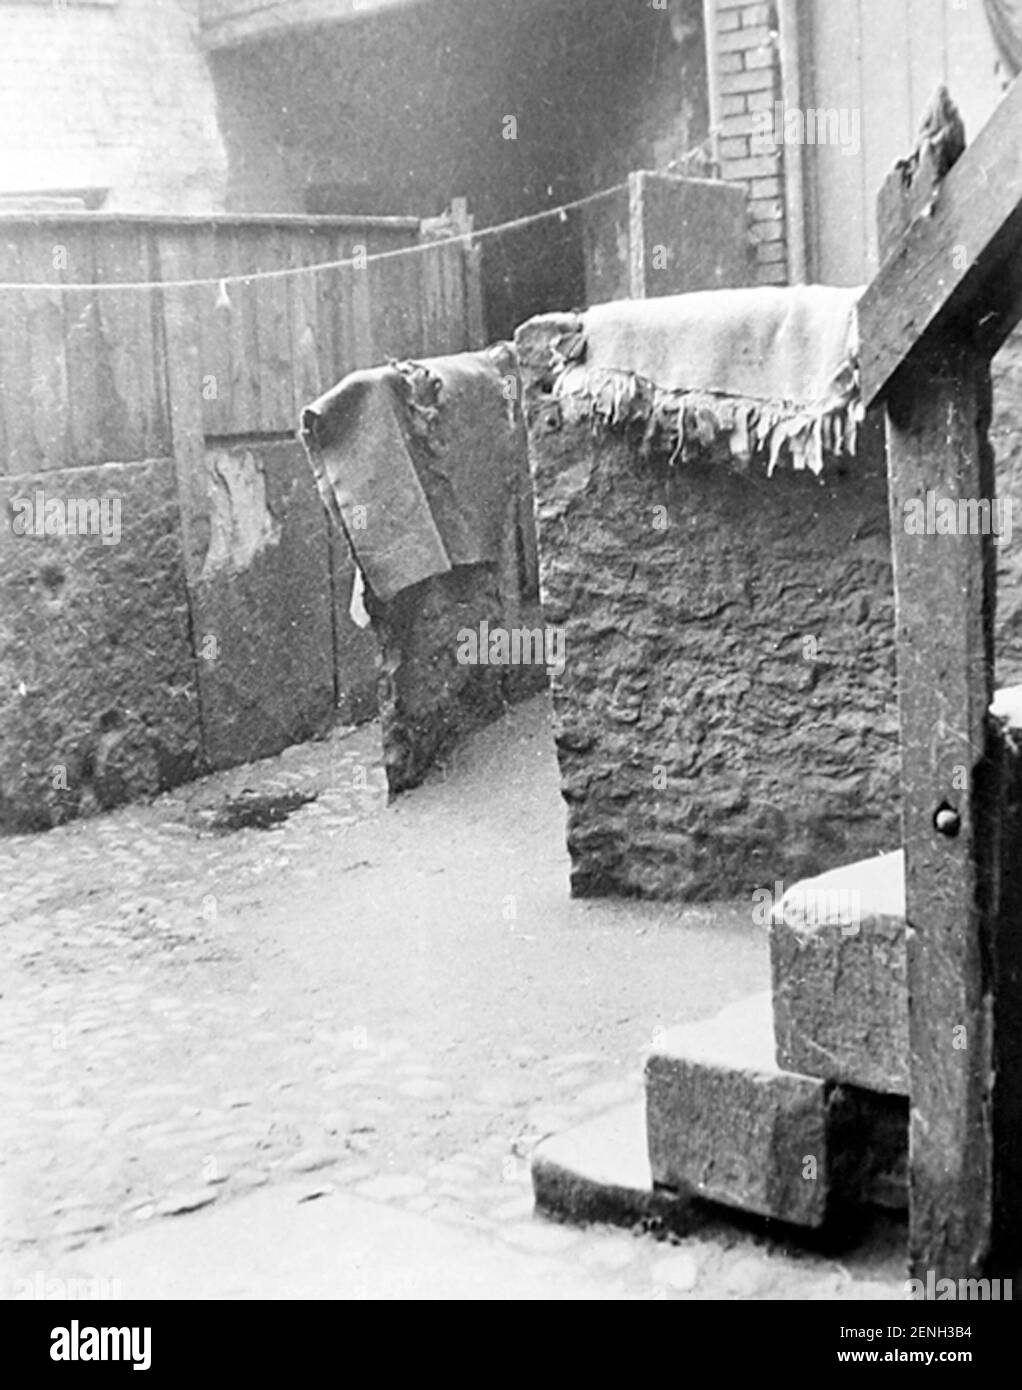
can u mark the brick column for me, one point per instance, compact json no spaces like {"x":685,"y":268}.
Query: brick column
{"x":746,"y":62}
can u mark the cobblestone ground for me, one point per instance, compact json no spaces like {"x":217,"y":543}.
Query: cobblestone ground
{"x":397,"y":1001}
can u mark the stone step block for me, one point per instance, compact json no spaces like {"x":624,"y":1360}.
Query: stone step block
{"x":599,"y":1172}
{"x":725,"y":1123}
{"x":838,"y":966}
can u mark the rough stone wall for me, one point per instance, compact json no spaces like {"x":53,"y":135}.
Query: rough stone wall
{"x":727,"y":713}
{"x":117,"y":681}
{"x":110,"y":93}
{"x":747,"y":63}
{"x":99,"y":696}
{"x":428,"y":700}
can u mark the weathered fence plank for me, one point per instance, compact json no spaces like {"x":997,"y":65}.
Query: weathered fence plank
{"x":273,"y":335}
{"x":84,"y":376}
{"x":394,"y":299}
{"x":88,"y":364}
{"x":134,"y":414}
{"x":347,"y":291}
{"x":303,"y":310}
{"x":204,"y":253}
{"x":49,"y":400}
{"x":15,"y":420}
{"x":245,"y":402}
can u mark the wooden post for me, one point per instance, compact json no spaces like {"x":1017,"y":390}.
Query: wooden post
{"x":472,"y":261}
{"x":962,"y":907}
{"x":636,"y":236}
{"x":937,"y":413}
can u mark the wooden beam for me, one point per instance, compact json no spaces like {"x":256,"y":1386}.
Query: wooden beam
{"x":1006,"y":1259}
{"x":637,"y":268}
{"x":942,"y":275}
{"x":961,"y":806}
{"x":937,"y":412}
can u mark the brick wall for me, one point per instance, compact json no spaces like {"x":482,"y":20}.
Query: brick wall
{"x":746,"y":61}
{"x":109,"y":94}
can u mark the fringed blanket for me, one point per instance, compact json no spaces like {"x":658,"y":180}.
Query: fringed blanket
{"x":770,"y":371}
{"x":421,"y":463}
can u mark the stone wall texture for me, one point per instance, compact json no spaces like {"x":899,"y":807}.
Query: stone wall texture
{"x":117,"y":680}
{"x":704,"y":751}
{"x":427,"y":699}
{"x":727,"y":712}
{"x":99,"y":698}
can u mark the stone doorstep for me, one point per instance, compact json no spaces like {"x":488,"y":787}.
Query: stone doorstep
{"x":601,"y":1171}
{"x":726,"y":1124}
{"x":598,"y":1172}
{"x":838,"y":965}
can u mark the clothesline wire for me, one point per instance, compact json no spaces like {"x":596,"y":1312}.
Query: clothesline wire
{"x":284,"y":272}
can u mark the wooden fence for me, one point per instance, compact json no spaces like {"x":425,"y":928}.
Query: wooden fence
{"x":89,"y":377}
{"x":167,"y":395}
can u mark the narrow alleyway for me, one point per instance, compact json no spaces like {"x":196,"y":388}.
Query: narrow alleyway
{"x":380,"y":1008}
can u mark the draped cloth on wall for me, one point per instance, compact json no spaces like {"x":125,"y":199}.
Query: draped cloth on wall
{"x":773,"y":372}
{"x":1005,"y":18}
{"x":423,"y":465}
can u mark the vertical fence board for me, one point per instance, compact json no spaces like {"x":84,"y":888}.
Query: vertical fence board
{"x":132,"y":401}
{"x":87,"y":363}
{"x":219,"y":305}
{"x":355,"y":338}
{"x":473,"y":307}
{"x":394,"y":293}
{"x":449,"y":336}
{"x":244,"y":409}
{"x":329,"y":314}
{"x":49,"y":397}
{"x":431,"y":300}
{"x":15,"y":374}
{"x":303,"y":309}
{"x":269,"y":251}
{"x":456,"y":325}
